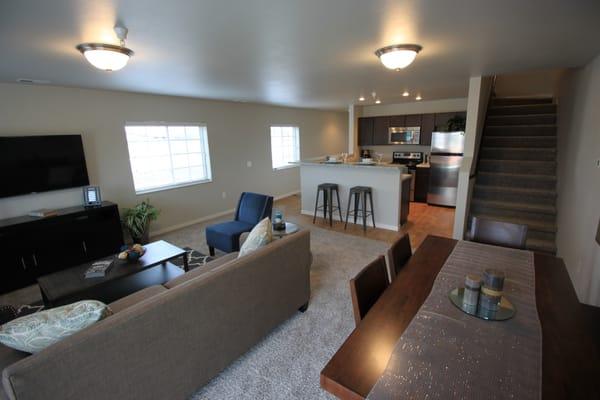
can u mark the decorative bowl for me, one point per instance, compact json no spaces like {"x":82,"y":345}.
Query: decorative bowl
{"x":132,"y":253}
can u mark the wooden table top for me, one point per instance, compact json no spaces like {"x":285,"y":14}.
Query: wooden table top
{"x":570,"y":361}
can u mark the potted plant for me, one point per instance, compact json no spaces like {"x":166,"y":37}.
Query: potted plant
{"x":137,"y":220}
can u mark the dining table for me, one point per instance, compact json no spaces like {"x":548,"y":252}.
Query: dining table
{"x":570,"y":365}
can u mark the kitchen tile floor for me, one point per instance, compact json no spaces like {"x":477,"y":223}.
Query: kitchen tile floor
{"x":423,"y":220}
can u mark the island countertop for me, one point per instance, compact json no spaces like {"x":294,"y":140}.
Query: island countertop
{"x":355,"y":165}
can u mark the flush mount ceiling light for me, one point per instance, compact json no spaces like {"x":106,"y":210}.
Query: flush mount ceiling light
{"x":398,"y":56}
{"x":418,"y":98}
{"x":406,"y":94}
{"x":361,"y":98}
{"x":107,"y":57}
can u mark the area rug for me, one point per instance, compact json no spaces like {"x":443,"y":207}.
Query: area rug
{"x":288,"y":362}
{"x":194,"y":257}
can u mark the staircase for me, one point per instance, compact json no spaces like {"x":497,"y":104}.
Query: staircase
{"x":516,"y":172}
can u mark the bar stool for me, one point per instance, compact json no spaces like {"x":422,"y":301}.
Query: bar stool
{"x":357,"y":192}
{"x":327,"y":206}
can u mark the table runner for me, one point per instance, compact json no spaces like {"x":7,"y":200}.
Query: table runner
{"x":445,"y":353}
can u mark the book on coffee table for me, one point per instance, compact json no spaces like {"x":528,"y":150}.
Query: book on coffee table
{"x":99,"y":269}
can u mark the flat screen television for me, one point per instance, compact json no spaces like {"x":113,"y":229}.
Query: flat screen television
{"x":31,"y":164}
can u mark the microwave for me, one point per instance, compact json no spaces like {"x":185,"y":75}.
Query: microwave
{"x":404,"y":135}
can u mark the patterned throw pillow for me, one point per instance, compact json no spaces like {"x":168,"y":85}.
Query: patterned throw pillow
{"x":35,"y":332}
{"x":8,"y":312}
{"x":260,"y":235}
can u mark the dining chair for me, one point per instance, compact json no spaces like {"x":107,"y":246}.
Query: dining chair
{"x":398,"y":254}
{"x":367,"y":286}
{"x":506,"y":234}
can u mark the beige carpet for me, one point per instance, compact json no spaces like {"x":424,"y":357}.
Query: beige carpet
{"x":287,"y":363}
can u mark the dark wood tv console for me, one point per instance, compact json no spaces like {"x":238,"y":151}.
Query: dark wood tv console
{"x":31,"y":247}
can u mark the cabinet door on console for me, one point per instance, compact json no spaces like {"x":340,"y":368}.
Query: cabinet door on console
{"x":102,"y":235}
{"x":57,"y":246}
{"x":427,"y":124}
{"x":380,"y":131}
{"x":365,"y":131}
{"x":17,"y":271}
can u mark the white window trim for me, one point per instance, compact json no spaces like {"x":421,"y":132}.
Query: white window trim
{"x":176,"y":185}
{"x":295,"y":164}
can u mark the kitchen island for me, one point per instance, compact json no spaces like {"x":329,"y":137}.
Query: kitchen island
{"x":385,"y":179}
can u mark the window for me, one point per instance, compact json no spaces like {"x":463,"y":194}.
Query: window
{"x":167,"y":156}
{"x":285,"y":146}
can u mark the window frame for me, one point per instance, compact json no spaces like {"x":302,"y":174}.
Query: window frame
{"x":166,"y":124}
{"x":287,"y":166}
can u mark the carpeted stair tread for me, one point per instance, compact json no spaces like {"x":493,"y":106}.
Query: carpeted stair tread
{"x":522,"y":109}
{"x":521,"y":130}
{"x":528,"y":167}
{"x":516,"y":206}
{"x":532,"y":224}
{"x":541,"y":246}
{"x":520,"y":141}
{"x":542,"y":182}
{"x":503,"y":101}
{"x":504,"y":189}
{"x":517,"y":175}
{"x":518,"y":153}
{"x":530,"y":119}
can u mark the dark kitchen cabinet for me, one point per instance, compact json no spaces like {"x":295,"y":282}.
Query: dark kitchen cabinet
{"x":398,"y":121}
{"x":442,"y":119}
{"x":421,"y":184}
{"x":427,"y":125}
{"x":380,"y":130}
{"x":365,"y":131}
{"x":32,"y":247}
{"x":405,"y":201}
{"x":413,"y":120}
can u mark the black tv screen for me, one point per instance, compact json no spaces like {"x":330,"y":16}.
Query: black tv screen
{"x":30,"y":164}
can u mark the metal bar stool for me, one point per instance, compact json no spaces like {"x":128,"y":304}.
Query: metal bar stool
{"x":327,"y":206}
{"x":357,"y":192}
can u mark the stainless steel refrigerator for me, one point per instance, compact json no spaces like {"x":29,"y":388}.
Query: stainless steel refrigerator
{"x":445,"y":160}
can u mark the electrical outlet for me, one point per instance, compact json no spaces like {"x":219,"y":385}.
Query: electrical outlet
{"x":224,"y":194}
{"x":249,"y":164}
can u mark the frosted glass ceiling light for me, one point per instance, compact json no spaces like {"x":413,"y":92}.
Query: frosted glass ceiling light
{"x":398,"y":56}
{"x":107,"y":57}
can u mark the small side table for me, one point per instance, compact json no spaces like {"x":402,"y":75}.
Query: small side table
{"x":289,"y":229}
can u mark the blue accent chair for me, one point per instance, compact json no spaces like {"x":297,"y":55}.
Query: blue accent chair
{"x":251,"y":209}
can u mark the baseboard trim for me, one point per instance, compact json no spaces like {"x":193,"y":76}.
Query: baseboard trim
{"x":209,"y":217}
{"x":379,"y":224}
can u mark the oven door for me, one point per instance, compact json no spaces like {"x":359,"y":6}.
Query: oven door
{"x":401,"y":135}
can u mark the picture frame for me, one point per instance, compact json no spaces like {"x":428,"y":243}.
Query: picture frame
{"x":92,"y":196}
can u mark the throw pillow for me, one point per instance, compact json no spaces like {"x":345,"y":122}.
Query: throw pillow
{"x":8,"y":312}
{"x":35,"y":332}
{"x":259,"y":236}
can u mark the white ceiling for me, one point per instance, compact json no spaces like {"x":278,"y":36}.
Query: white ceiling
{"x":306,"y":53}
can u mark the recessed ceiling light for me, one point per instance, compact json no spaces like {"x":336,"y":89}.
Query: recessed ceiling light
{"x":398,"y":56}
{"x":107,"y":57}
{"x":406,"y":94}
{"x":377,"y":101}
{"x":361,"y":98}
{"x":418,"y":98}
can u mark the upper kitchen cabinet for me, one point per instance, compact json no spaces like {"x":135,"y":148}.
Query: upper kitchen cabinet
{"x":365,"y":131}
{"x":413,"y":120}
{"x":443,"y":120}
{"x":427,"y":125}
{"x":380,"y":130}
{"x":398,"y":121}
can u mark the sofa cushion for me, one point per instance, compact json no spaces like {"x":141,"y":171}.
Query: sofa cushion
{"x":196,"y":272}
{"x":261,"y":235}
{"x":136,"y":297}
{"x":226,"y":236}
{"x":35,"y":332}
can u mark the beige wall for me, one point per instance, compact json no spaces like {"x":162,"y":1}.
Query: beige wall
{"x":579,"y":178}
{"x":237,"y":133}
{"x":540,"y":83}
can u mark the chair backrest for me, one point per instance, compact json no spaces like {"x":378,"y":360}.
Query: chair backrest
{"x":506,"y":234}
{"x":398,"y":254}
{"x":253,"y":207}
{"x":367,"y":286}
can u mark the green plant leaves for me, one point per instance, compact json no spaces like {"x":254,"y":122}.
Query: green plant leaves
{"x":137,"y":219}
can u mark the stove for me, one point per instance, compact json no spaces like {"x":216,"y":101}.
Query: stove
{"x":411,"y":160}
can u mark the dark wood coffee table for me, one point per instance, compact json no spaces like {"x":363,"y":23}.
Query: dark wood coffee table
{"x":124,"y":278}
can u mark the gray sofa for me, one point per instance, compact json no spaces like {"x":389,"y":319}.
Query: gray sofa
{"x":165,"y":342}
